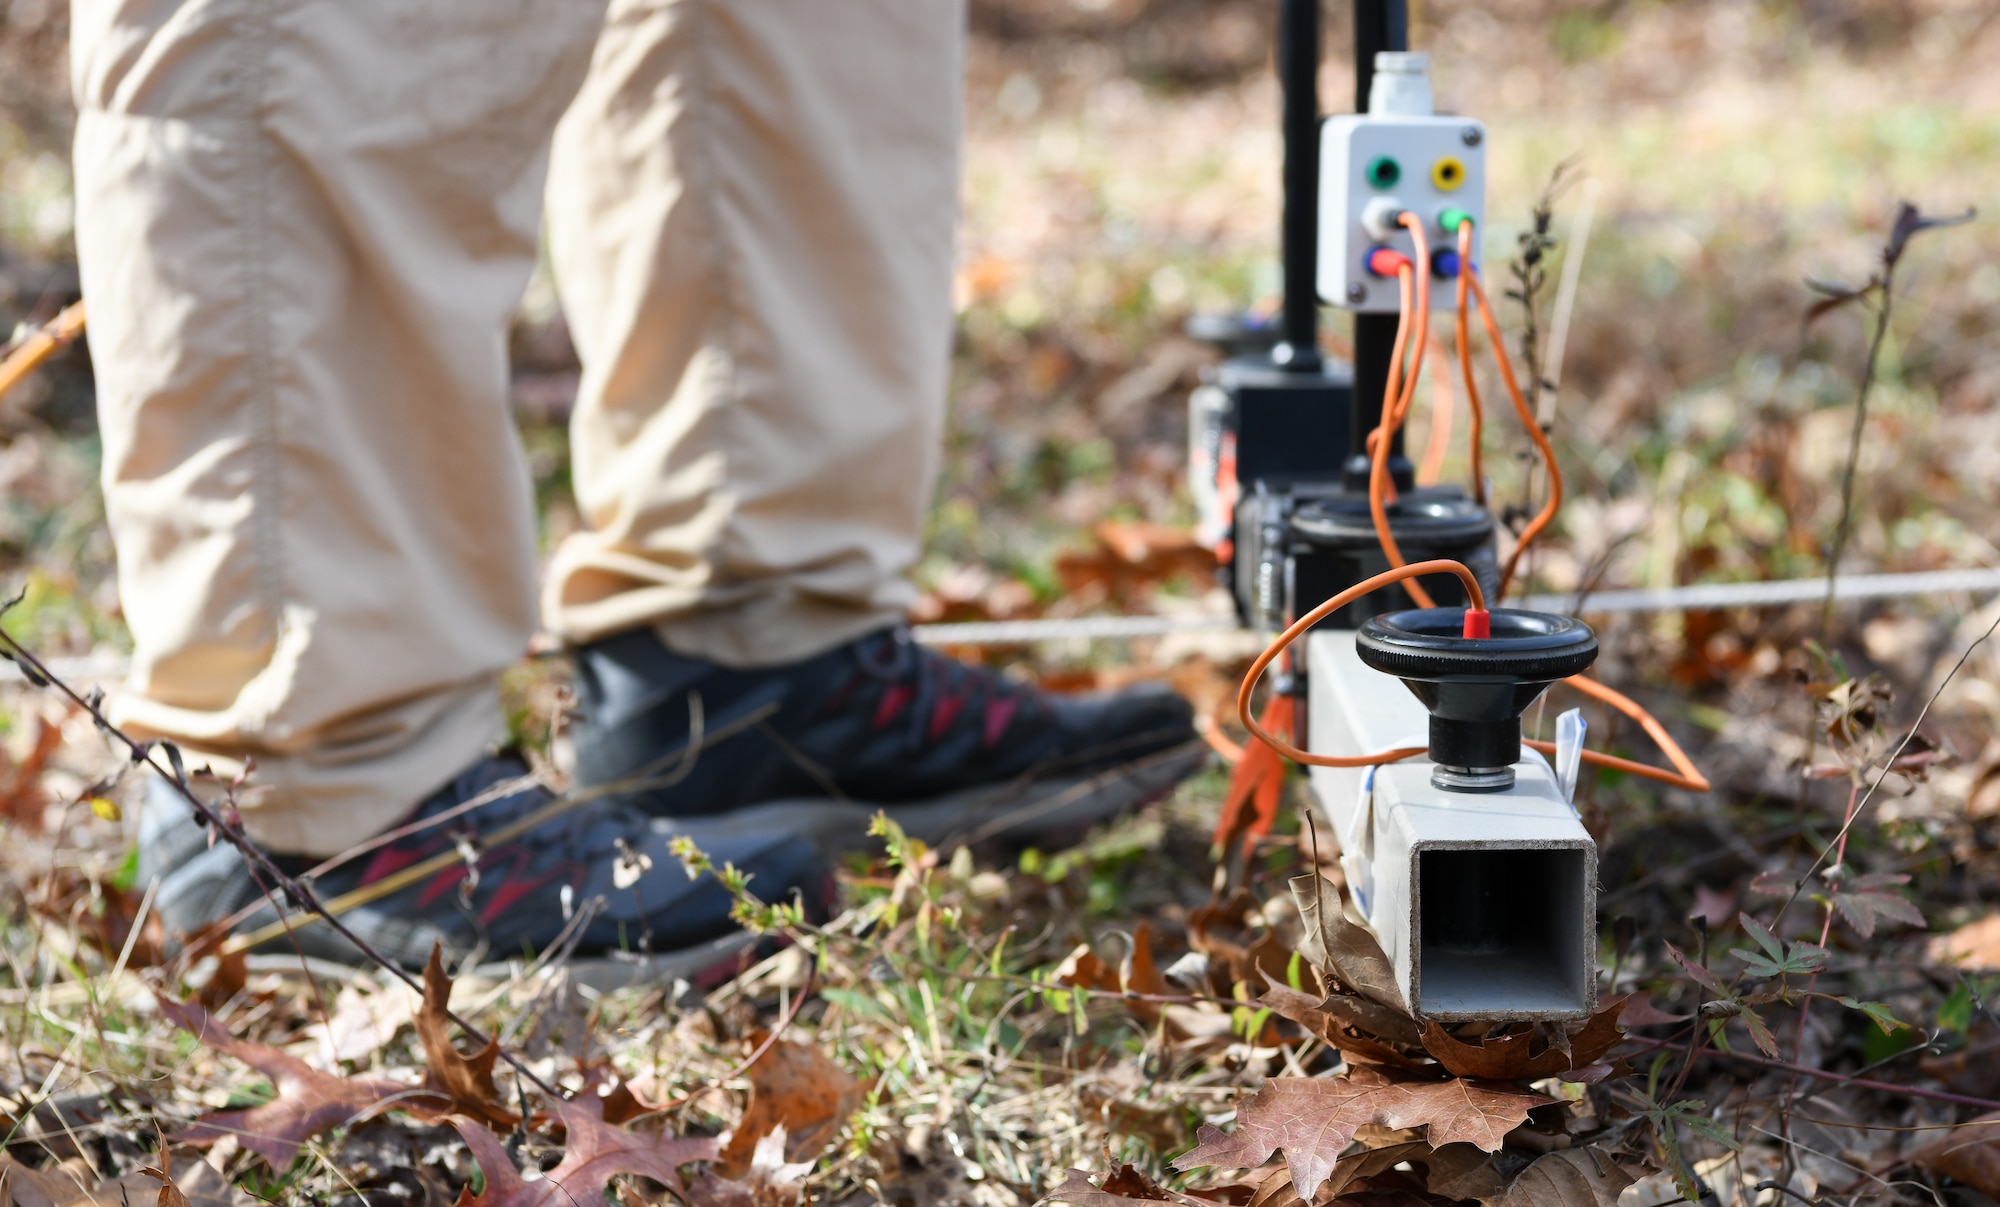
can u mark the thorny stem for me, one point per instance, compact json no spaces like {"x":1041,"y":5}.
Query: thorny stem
{"x":142,"y":752}
{"x":1884,"y":288}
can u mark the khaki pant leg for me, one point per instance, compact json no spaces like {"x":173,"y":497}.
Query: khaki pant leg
{"x":752,"y":209}
{"x":303,"y":225}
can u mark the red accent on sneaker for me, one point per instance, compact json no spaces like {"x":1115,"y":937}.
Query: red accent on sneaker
{"x":998,"y":714}
{"x":943,"y":714}
{"x":510,"y":892}
{"x":441,"y":884}
{"x":893,"y":699}
{"x":389,"y":860}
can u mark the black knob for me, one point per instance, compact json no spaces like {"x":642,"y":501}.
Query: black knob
{"x":1476,"y":688}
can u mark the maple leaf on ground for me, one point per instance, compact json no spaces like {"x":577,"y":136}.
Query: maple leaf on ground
{"x":1509,"y":1057}
{"x":1313,"y":1118}
{"x":307,"y":1102}
{"x":466,"y":1080}
{"x":797,"y":1087}
{"x":594,"y":1152}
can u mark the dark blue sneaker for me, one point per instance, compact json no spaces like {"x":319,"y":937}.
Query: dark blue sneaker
{"x":602,"y":860}
{"x":947,"y":749}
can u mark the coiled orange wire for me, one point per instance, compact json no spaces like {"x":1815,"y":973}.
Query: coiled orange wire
{"x":1396,"y":400}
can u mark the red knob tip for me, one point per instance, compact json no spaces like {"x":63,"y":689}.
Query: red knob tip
{"x":1478,"y":623}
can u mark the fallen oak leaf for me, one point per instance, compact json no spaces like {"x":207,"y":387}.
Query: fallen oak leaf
{"x":1313,"y":1118}
{"x":466,"y":1080}
{"x":594,"y":1152}
{"x":797,"y":1087}
{"x":1509,"y":1057}
{"x":1570,"y":1177}
{"x":307,"y":1102}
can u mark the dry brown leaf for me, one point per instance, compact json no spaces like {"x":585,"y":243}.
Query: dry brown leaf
{"x":1142,"y":972}
{"x":1456,"y":1171}
{"x":226,"y":972}
{"x":1340,"y":946}
{"x":1571,"y":1177}
{"x":1230,"y":933}
{"x":1641,"y":1012}
{"x":1276,"y":1190}
{"x":1085,"y":969}
{"x":1132,"y":558}
{"x":1361,"y":1029}
{"x":1510,"y":1056}
{"x":21,"y":796}
{"x":1311,"y":1119}
{"x":1164,"y":1127}
{"x":594,"y":1152}
{"x":1974,"y":947}
{"x":365,"y":1017}
{"x":1971,"y":1153}
{"x":618,"y":1101}
{"x":797,"y":1087}
{"x":771,"y":1182}
{"x":72,"y":1184}
{"x":466,"y":1080}
{"x":307,"y":1103}
{"x":1125,"y":1186}
{"x":170,"y":1194}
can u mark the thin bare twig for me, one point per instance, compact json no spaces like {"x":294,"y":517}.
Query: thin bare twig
{"x":175,"y":773}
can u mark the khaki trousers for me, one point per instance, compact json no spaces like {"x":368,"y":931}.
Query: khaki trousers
{"x":303,"y":227}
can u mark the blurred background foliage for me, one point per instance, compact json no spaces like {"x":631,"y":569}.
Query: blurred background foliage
{"x":1121,"y":168}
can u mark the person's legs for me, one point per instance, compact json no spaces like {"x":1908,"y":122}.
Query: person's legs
{"x":752,"y":206}
{"x":303,"y":226}
{"x":752,"y":209}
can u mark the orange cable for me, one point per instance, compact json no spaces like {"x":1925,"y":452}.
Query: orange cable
{"x":1303,"y":623}
{"x":1689,"y":777}
{"x":1465,"y":367}
{"x":1548,"y":511}
{"x":1396,"y":401}
{"x":1444,"y":408}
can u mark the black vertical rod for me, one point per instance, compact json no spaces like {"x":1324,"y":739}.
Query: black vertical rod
{"x":1298,"y":74}
{"x":1378,"y":25}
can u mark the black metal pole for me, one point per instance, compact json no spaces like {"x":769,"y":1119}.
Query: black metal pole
{"x":1378,"y":25}
{"x":1298,"y":74}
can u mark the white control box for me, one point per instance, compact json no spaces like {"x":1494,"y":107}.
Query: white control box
{"x":1373,"y":166}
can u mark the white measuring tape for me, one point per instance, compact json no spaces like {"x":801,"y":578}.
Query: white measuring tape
{"x":1699,"y":598}
{"x":1702,"y":597}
